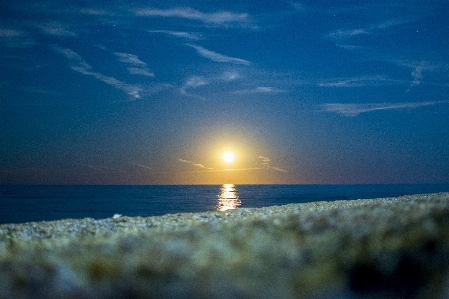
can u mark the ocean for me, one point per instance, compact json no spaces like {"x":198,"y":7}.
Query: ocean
{"x":26,"y":203}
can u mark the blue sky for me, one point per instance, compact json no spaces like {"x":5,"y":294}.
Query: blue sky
{"x":146,"y":92}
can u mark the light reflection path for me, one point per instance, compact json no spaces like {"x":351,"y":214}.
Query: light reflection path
{"x":228,"y":198}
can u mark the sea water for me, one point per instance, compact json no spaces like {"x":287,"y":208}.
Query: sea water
{"x":45,"y":203}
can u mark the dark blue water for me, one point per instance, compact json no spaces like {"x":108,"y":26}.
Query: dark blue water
{"x":44,"y":203}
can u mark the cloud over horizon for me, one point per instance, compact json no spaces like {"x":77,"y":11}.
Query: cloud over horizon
{"x":199,"y":165}
{"x":266,"y":164}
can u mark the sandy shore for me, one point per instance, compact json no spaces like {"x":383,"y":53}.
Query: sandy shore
{"x":371,"y":248}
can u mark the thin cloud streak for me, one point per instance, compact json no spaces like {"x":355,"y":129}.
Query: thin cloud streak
{"x":230,"y":76}
{"x":265,"y":161}
{"x":239,"y":169}
{"x":97,"y":12}
{"x":358,"y":81}
{"x":11,"y":33}
{"x":218,"y":18}
{"x":104,"y":169}
{"x":259,"y":90}
{"x":224,"y":170}
{"x":419,"y":68}
{"x":38,"y":90}
{"x":266,"y":164}
{"x":193,"y":82}
{"x":299,"y":7}
{"x":139,"y":71}
{"x":143,"y":166}
{"x":56,"y":28}
{"x":181,"y":34}
{"x":14,"y":38}
{"x":341,"y":34}
{"x":199,"y":165}
{"x":356,"y":109}
{"x":278,"y":169}
{"x":130,"y":59}
{"x":78,"y":64}
{"x":216,"y":56}
{"x":138,"y":66}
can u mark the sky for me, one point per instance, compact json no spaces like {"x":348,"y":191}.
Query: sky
{"x":154,"y":92}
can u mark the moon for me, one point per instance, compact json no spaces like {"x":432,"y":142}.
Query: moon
{"x":228,"y":157}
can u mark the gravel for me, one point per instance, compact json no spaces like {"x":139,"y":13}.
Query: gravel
{"x":368,"y":248}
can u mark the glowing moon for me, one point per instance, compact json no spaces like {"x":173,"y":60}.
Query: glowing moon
{"x":228,"y":157}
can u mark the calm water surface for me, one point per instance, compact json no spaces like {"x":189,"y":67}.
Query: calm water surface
{"x":44,"y":203}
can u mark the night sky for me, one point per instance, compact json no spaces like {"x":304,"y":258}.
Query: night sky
{"x":154,"y":92}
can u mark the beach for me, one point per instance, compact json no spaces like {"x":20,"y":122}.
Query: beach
{"x":368,"y":248}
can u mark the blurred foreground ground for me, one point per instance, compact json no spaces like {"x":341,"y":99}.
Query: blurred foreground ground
{"x":376,"y":248}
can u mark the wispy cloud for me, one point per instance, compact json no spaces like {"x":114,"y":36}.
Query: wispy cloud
{"x":99,"y":12}
{"x":56,"y":28}
{"x":104,"y":169}
{"x":357,"y":81}
{"x":78,"y":64}
{"x":11,"y":33}
{"x":419,"y":68}
{"x":217,"y":18}
{"x":259,"y":90}
{"x":214,"y":56}
{"x":230,"y":76}
{"x":417,"y":75}
{"x":391,"y":23}
{"x":140,"y":71}
{"x":356,"y":109}
{"x":130,"y":59}
{"x":138,"y":66}
{"x":199,"y":165}
{"x":349,"y":47}
{"x":300,"y":7}
{"x":142,"y":166}
{"x":265,"y":161}
{"x":343,"y":34}
{"x":193,"y":82}
{"x":216,"y":81}
{"x":40,"y":90}
{"x":15,"y":38}
{"x":278,"y":169}
{"x":181,"y":34}
{"x":266,"y":164}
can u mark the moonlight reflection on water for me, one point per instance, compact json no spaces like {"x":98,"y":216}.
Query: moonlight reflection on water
{"x":228,"y":198}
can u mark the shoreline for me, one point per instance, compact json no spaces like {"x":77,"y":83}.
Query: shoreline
{"x":400,"y":245}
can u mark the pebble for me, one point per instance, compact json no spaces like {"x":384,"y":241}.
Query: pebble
{"x":386,"y":248}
